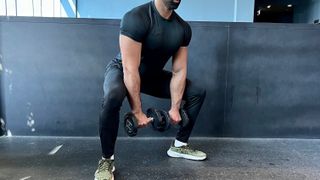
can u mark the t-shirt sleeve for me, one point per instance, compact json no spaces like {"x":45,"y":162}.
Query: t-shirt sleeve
{"x":187,"y":35}
{"x":134,"y":25}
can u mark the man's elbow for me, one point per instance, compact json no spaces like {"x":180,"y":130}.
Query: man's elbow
{"x":130,"y":71}
{"x":179,"y":72}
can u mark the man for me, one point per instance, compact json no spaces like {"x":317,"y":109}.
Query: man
{"x":149,"y":35}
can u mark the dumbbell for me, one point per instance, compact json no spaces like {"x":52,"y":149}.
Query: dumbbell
{"x":184,"y":118}
{"x":160,"y":121}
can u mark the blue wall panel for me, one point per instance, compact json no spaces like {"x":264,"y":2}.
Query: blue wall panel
{"x":191,"y":10}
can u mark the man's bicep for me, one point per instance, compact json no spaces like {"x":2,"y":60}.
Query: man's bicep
{"x":180,"y":59}
{"x":130,"y":52}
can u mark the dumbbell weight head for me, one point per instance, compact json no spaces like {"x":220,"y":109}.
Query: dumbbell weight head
{"x":130,"y":124}
{"x":161,"y":120}
{"x":165,"y":124}
{"x":184,"y":118}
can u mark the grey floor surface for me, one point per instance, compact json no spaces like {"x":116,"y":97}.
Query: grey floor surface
{"x":29,"y":158}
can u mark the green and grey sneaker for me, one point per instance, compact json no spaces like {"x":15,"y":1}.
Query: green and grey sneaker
{"x":105,"y":170}
{"x":186,"y":152}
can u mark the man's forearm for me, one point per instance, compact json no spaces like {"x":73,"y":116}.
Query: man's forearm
{"x":177,"y":86}
{"x":132,"y":82}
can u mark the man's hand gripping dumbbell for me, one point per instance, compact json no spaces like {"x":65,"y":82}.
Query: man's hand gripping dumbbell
{"x":159,"y":119}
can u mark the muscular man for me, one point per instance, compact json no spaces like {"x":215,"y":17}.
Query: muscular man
{"x":150,"y":35}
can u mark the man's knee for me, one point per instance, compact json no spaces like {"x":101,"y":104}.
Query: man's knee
{"x":114,"y":96}
{"x":202,"y":92}
{"x":195,"y":90}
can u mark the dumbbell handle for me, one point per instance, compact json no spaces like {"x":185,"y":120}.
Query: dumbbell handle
{"x":184,"y":117}
{"x":136,"y":119}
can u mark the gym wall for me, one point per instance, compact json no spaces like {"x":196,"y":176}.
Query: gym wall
{"x":262,"y":80}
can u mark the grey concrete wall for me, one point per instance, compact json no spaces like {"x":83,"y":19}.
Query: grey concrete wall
{"x":261,"y":79}
{"x":273,"y":81}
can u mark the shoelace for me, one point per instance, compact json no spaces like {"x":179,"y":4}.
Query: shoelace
{"x":104,"y":165}
{"x":188,"y":148}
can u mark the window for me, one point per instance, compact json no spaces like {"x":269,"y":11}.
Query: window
{"x":39,"y":8}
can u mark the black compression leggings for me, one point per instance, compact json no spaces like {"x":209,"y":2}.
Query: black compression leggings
{"x":159,"y":86}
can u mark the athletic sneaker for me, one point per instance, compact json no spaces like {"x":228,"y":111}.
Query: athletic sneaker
{"x":105,"y":170}
{"x":186,"y":152}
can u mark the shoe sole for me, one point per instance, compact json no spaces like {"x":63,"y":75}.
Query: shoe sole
{"x":113,"y":170}
{"x":185,"y":156}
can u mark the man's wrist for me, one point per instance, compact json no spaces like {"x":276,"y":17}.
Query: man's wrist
{"x":175,"y":108}
{"x":137,"y":111}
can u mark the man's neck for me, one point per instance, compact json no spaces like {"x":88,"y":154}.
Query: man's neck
{"x":162,"y":9}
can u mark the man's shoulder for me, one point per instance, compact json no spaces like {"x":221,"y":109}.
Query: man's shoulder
{"x":135,"y":23}
{"x":181,"y":21}
{"x":141,"y":10}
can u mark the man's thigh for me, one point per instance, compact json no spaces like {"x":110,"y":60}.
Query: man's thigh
{"x":113,"y":81}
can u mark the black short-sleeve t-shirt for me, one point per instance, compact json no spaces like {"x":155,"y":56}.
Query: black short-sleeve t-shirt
{"x":161,"y":38}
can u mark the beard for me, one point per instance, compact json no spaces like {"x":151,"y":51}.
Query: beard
{"x":171,"y":5}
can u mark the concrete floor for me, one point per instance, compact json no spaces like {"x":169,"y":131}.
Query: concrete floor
{"x":28,"y":158}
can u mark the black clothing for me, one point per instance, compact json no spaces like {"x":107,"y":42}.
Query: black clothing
{"x":161,"y":38}
{"x":115,"y":91}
